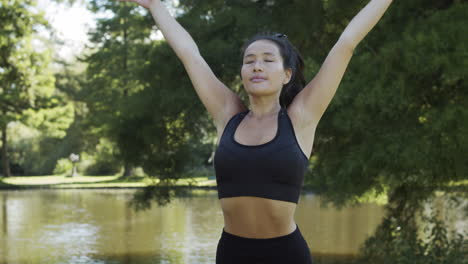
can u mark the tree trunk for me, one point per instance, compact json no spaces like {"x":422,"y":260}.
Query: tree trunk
{"x":128,"y":170}
{"x":4,"y":217}
{"x":5,"y":162}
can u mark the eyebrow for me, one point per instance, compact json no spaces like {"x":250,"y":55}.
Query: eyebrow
{"x":265,"y":53}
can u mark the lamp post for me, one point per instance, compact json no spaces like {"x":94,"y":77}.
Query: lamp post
{"x":74,"y":158}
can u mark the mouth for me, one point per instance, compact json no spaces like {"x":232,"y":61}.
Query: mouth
{"x":257,"y":79}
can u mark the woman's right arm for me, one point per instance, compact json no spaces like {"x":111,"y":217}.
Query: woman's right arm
{"x":218,"y":99}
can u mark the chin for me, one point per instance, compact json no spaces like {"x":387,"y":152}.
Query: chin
{"x":261,"y":91}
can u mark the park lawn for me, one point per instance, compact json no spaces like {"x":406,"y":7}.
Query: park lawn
{"x":55,"y":179}
{"x":459,"y":183}
{"x":63,"y":182}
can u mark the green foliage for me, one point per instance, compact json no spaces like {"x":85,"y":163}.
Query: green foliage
{"x":25,"y":76}
{"x":397,"y":242}
{"x":31,"y":151}
{"x":161,"y":193}
{"x":36,"y":147}
{"x":400,"y":115}
{"x":103,"y":161}
{"x":398,"y":118}
{"x":63,"y":166}
{"x":26,"y":81}
{"x":149,"y":112}
{"x":52,"y":122}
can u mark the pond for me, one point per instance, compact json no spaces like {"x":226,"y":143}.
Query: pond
{"x":97,"y":226}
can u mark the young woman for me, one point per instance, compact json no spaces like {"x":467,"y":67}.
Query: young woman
{"x":263,"y":150}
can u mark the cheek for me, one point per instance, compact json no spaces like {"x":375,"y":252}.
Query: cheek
{"x":243,"y":72}
{"x":242,"y":69}
{"x":278,"y":71}
{"x":243,"y":79}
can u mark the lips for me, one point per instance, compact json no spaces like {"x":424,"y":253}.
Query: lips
{"x":257,"y":79}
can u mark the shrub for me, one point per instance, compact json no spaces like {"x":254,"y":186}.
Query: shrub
{"x":63,"y":166}
{"x":399,"y":243}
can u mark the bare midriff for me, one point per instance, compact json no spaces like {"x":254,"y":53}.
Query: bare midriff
{"x":255,"y":217}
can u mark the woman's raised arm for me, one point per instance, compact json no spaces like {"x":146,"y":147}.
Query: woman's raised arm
{"x":218,"y":99}
{"x":311,"y":102}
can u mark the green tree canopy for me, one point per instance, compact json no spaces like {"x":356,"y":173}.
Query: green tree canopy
{"x":26,"y":82}
{"x":400,"y":116}
{"x":139,"y":95}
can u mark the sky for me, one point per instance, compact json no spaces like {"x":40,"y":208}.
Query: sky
{"x":71,"y":24}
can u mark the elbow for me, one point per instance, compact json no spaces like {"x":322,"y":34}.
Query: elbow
{"x":348,"y":42}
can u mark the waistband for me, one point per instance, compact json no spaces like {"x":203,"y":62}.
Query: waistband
{"x":229,"y":236}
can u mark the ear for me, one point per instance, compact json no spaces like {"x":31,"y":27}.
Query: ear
{"x":288,"y":73}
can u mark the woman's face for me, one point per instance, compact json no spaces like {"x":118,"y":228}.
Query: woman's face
{"x":262,"y":69}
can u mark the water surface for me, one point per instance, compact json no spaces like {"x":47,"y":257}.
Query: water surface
{"x":97,"y":226}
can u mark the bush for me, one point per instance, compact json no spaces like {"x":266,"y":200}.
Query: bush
{"x":397,"y":243}
{"x":103,"y":161}
{"x":63,"y":166}
{"x":102,"y":167}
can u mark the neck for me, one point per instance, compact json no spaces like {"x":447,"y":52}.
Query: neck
{"x":260,"y":111}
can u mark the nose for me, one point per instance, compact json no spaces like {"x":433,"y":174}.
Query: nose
{"x":258,"y":66}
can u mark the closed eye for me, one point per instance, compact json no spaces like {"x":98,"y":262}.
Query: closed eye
{"x":250,"y":62}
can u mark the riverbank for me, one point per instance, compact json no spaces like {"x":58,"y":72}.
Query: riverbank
{"x":87,"y":182}
{"x":118,"y":182}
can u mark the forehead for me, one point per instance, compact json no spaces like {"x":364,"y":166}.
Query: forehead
{"x":262,"y":46}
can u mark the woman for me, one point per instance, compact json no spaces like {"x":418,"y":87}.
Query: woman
{"x":263,"y":150}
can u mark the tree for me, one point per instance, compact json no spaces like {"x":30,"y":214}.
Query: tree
{"x":400,"y":117}
{"x":398,"y":126}
{"x":111,"y":69}
{"x":135,"y":99}
{"x":26,"y":82}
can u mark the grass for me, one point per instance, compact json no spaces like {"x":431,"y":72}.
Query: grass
{"x":459,"y":183}
{"x":63,"y":182}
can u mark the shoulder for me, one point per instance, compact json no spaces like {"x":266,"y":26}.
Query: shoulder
{"x":228,"y":113}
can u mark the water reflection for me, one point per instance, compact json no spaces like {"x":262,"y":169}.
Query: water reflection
{"x":96,"y":226}
{"x":451,"y":209}
{"x":329,"y":231}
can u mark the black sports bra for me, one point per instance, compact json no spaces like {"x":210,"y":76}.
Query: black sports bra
{"x":273,"y":170}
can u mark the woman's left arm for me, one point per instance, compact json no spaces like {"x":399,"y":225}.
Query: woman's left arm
{"x":310,"y":104}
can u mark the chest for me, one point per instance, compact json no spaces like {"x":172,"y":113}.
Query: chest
{"x":255,"y":133}
{"x":277,"y":159}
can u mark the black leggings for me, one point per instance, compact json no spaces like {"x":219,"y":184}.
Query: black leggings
{"x":288,"y":249}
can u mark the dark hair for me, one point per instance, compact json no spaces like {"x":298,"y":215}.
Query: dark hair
{"x":292,"y":59}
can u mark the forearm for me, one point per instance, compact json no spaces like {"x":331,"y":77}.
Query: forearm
{"x":177,"y":37}
{"x":364,"y":21}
